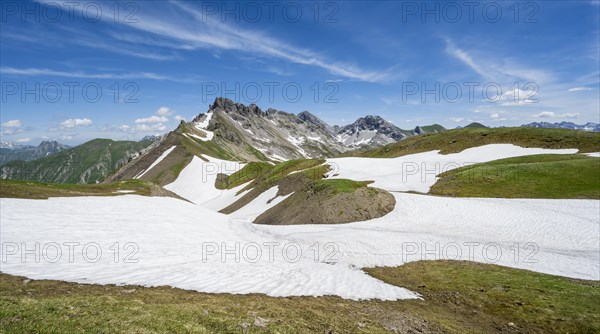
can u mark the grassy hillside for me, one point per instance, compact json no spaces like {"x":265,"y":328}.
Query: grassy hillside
{"x":536,"y":176}
{"x":453,"y":141}
{"x":289,"y":176}
{"x":187,"y":145}
{"x":476,"y":125}
{"x":87,"y":163}
{"x":458,"y":297}
{"x":336,"y":201}
{"x":40,"y":190}
{"x":433,"y":128}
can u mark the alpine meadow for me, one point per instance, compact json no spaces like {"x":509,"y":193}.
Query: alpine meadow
{"x":190,"y":166}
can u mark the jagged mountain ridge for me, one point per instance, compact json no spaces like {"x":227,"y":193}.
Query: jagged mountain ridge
{"x":279,"y":134}
{"x":592,"y":127}
{"x":236,"y":132}
{"x":11,"y":152}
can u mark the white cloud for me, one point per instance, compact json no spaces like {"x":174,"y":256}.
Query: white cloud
{"x":73,"y":122}
{"x":179,"y":118}
{"x":11,"y":131}
{"x":164,"y":111}
{"x":67,"y":137}
{"x":495,"y":115}
{"x":578,"y":89}
{"x":23,"y":140}
{"x":518,"y":97}
{"x":148,"y":128}
{"x":551,"y":114}
{"x":152,"y":119}
{"x":15,"y":123}
{"x":457,"y":119}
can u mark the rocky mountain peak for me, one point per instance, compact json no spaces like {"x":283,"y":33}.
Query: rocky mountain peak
{"x":228,"y":106}
{"x":309,"y":118}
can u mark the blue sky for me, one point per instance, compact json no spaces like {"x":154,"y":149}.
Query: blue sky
{"x":77,"y":70}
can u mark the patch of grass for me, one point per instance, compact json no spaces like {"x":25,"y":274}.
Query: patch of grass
{"x":458,"y":297}
{"x":537,"y":176}
{"x":285,"y":168}
{"x":316,"y":172}
{"x":340,"y":185}
{"x":492,"y":296}
{"x":248,"y":173}
{"x":433,"y":128}
{"x":178,"y":167}
{"x":41,"y":190}
{"x":475,"y":125}
{"x":453,"y":141}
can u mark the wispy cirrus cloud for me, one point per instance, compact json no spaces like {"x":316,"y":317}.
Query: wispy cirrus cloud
{"x":579,"y":89}
{"x":498,"y":70}
{"x":87,"y":75}
{"x":183,"y":26}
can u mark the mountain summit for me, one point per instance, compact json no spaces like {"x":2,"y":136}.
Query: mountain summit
{"x":237,"y":132}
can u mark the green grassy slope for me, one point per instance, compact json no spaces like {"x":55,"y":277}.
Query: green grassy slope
{"x":87,"y":163}
{"x":42,"y":190}
{"x":453,"y":141}
{"x":536,"y":176}
{"x":475,"y":125}
{"x":458,"y":297}
{"x":433,"y":128}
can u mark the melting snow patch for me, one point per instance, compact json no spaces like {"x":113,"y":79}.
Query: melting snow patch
{"x":418,"y":172}
{"x":184,"y":245}
{"x":209,"y":135}
{"x":202,"y":125}
{"x":197,"y":180}
{"x":190,"y":246}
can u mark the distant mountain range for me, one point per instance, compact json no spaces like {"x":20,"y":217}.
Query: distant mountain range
{"x":87,"y":163}
{"x":592,"y":127}
{"x":227,"y":130}
{"x":11,"y":151}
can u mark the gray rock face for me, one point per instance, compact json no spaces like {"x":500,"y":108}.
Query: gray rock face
{"x":279,"y":135}
{"x":371,"y":131}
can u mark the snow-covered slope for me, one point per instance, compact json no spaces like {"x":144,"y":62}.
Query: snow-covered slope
{"x":200,"y":249}
{"x":417,"y":172}
{"x":196,"y":182}
{"x":192,"y":246}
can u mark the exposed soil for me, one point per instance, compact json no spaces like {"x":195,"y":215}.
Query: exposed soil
{"x":326,"y":206}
